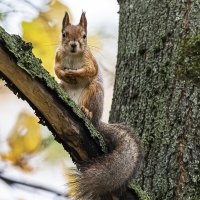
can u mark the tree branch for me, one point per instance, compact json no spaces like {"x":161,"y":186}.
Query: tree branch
{"x":30,"y":81}
{"x":11,"y":181}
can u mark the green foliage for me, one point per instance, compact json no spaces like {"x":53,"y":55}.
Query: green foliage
{"x":1,"y":16}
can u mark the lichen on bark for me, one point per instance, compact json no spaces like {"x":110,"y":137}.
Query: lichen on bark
{"x":141,"y":194}
{"x":188,"y":62}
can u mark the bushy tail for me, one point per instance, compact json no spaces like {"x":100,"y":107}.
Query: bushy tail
{"x":111,"y":171}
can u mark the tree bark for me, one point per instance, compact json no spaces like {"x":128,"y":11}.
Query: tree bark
{"x":157,"y":92}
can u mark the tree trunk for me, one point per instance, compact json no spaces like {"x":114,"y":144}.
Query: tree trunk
{"x":157,"y":92}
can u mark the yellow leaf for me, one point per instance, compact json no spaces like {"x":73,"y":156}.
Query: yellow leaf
{"x":24,"y":139}
{"x":44,"y":33}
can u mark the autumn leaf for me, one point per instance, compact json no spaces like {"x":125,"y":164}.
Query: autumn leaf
{"x":44,"y":33}
{"x":24,"y":140}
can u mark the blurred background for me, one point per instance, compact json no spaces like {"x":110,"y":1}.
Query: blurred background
{"x":32,"y":165}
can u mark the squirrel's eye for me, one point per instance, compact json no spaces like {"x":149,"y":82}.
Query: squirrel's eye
{"x":84,"y":36}
{"x":63,"y":35}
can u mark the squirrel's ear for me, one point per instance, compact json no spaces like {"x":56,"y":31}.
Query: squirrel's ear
{"x":66,"y":21}
{"x":83,"y":21}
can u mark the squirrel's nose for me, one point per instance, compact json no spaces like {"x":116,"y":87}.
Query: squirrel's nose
{"x":73,"y":45}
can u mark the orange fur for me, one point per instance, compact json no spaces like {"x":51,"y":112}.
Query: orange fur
{"x":88,"y":93}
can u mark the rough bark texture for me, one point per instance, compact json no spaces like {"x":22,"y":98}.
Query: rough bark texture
{"x":157,"y":92}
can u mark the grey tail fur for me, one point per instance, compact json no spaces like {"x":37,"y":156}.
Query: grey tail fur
{"x":111,"y":171}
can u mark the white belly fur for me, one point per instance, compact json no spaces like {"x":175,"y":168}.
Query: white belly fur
{"x":74,"y":91}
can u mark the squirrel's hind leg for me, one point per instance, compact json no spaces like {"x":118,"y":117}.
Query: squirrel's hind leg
{"x":92,"y":101}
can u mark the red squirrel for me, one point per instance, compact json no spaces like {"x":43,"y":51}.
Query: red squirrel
{"x":81,"y":78}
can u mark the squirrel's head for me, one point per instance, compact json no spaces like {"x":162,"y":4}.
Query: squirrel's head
{"x":74,"y":37}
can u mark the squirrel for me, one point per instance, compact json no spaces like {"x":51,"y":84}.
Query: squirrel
{"x":81,"y":78}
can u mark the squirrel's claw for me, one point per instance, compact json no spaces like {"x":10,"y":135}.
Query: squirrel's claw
{"x":86,"y":112}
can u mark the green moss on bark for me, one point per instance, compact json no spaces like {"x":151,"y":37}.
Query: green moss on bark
{"x":188,"y":65}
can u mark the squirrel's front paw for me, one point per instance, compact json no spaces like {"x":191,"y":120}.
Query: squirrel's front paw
{"x":70,"y":72}
{"x":86,"y":112}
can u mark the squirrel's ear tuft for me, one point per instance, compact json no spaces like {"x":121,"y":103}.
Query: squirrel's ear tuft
{"x":66,"y":21}
{"x":83,"y":21}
